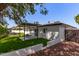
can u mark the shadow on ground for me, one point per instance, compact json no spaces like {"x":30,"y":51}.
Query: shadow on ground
{"x":60,"y":49}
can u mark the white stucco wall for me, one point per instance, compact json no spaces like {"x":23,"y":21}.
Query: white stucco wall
{"x":62,"y":33}
{"x":50,"y":30}
{"x":58,"y":31}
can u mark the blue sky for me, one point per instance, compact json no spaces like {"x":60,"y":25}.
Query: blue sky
{"x":56,"y":12}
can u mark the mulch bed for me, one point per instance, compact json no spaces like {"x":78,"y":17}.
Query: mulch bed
{"x":67,"y":48}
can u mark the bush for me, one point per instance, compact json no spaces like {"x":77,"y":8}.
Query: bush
{"x":3,"y":36}
{"x":3,"y":32}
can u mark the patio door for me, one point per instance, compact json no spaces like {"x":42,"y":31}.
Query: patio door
{"x":36,"y":32}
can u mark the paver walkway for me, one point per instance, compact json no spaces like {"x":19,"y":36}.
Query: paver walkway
{"x":60,"y":49}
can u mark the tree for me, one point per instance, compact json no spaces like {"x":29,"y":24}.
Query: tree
{"x":77,"y":18}
{"x":17,"y":11}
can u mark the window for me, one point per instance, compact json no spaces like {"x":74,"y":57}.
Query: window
{"x":36,"y":32}
{"x":44,"y":30}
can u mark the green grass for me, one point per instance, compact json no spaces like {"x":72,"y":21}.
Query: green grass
{"x":11,"y":43}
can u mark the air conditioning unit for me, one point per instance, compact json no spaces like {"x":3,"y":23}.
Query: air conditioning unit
{"x":50,"y":22}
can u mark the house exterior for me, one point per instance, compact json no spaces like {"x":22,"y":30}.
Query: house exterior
{"x":53,"y":31}
{"x":50,"y":31}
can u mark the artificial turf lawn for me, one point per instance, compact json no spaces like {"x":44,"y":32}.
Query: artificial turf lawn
{"x":11,"y":43}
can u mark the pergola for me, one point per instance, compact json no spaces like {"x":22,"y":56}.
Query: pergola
{"x":30,"y":27}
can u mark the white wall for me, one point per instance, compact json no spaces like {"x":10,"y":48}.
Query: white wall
{"x":49,"y":32}
{"x":62,"y":33}
{"x":21,"y":31}
{"x":58,"y":31}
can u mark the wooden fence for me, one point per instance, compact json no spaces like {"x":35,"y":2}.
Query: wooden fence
{"x":72,"y":35}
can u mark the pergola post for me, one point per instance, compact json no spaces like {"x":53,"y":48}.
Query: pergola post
{"x":37,"y":30}
{"x":19,"y":30}
{"x":24,"y":31}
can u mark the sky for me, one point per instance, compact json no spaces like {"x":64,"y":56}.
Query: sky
{"x":62,"y":12}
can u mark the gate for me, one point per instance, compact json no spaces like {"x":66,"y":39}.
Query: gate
{"x":72,"y":35}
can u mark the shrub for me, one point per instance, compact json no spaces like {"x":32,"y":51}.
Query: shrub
{"x":3,"y":32}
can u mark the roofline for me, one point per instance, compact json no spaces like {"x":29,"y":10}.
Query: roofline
{"x":70,"y":25}
{"x":39,"y":25}
{"x":56,"y":24}
{"x":50,"y":24}
{"x":30,"y":24}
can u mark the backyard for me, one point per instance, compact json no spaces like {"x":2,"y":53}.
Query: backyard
{"x":12,"y":42}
